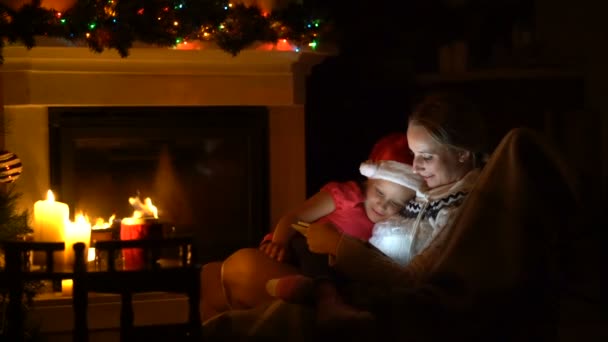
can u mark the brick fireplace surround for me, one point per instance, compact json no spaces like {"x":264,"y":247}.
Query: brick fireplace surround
{"x":60,"y":76}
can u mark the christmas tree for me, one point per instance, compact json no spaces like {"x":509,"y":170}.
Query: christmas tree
{"x":13,"y":226}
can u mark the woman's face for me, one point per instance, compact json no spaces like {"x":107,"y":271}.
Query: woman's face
{"x":384,"y":199}
{"x":437,"y":163}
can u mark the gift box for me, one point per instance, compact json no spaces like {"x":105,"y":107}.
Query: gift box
{"x":138,"y":229}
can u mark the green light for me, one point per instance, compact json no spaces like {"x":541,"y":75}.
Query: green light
{"x":92,"y":26}
{"x":313,"y":44}
{"x":63,"y":21}
{"x":178,"y":40}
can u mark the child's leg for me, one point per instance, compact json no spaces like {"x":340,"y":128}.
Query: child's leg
{"x":292,"y":288}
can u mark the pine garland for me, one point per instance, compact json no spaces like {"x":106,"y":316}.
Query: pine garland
{"x":117,"y":24}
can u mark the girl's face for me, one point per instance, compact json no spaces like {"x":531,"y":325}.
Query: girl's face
{"x":384,"y":199}
{"x":437,"y":163}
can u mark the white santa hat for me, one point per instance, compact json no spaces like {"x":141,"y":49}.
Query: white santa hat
{"x":392,"y":171}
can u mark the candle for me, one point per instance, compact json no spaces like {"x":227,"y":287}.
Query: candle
{"x":138,"y":229}
{"x":50,"y":218}
{"x":66,"y":287}
{"x":78,"y":231}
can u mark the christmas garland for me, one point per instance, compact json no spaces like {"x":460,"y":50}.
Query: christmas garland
{"x":117,"y":24}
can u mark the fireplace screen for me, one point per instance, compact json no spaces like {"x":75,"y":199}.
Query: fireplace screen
{"x":204,"y":168}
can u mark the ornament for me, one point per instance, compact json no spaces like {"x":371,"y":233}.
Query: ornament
{"x":10,"y":167}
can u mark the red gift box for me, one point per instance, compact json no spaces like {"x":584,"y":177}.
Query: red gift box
{"x":138,"y":229}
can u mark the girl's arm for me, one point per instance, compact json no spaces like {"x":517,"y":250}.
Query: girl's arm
{"x":319,"y":205}
{"x":314,"y":208}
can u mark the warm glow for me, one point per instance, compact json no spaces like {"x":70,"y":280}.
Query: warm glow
{"x":91,"y":256}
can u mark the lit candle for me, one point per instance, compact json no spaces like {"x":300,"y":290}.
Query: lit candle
{"x":78,"y":231}
{"x":66,"y":287}
{"x":50,"y":218}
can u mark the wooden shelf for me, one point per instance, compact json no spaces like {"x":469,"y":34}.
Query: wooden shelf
{"x":497,"y":75}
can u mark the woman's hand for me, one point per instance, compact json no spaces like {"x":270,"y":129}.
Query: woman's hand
{"x":323,"y":238}
{"x":275,"y":250}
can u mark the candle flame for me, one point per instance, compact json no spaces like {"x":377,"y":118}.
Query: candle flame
{"x":50,"y":197}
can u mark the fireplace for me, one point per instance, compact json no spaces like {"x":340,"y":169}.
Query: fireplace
{"x":205,"y":168}
{"x":218,"y":142}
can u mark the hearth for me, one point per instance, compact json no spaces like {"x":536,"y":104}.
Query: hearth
{"x":205,"y":168}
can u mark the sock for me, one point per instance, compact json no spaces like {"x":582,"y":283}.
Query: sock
{"x":293,"y":288}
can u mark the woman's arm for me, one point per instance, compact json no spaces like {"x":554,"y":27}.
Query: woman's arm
{"x":362,"y":262}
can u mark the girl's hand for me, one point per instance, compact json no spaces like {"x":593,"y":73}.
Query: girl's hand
{"x":274,"y":250}
{"x":323,"y":238}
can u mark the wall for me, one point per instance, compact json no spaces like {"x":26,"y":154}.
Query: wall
{"x":576,"y":35}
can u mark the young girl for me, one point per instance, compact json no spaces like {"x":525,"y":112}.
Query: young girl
{"x":351,"y":207}
{"x":353,"y":210}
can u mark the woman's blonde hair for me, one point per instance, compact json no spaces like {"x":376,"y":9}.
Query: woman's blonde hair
{"x":455,"y":121}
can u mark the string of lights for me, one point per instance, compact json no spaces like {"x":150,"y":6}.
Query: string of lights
{"x":117,"y":24}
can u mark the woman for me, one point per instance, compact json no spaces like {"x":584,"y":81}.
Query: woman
{"x":446,"y":136}
{"x":490,"y":273}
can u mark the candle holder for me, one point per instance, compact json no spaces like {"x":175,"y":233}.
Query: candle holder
{"x":105,"y":234}
{"x":138,"y":229}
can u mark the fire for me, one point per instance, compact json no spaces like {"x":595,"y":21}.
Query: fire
{"x":100,"y":223}
{"x":145,"y":209}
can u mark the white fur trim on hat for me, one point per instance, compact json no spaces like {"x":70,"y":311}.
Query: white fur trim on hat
{"x":392,"y":171}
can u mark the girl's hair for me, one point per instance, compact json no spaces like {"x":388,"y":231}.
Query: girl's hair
{"x":454,"y":121}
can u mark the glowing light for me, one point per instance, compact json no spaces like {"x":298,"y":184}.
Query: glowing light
{"x":88,"y":35}
{"x":140,"y":11}
{"x":58,"y":14}
{"x":175,"y":23}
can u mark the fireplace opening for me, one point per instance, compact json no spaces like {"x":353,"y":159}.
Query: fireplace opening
{"x":204,"y":168}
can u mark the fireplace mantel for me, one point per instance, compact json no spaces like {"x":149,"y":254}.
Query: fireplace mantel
{"x":78,"y":76}
{"x":59,"y":76}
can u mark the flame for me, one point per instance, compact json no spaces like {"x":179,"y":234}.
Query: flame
{"x":100,"y":223}
{"x":82,"y":220}
{"x":143,"y":210}
{"x":50,"y":196}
